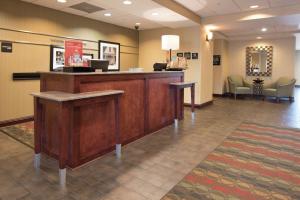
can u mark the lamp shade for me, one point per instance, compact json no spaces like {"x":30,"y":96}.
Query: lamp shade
{"x":170,"y":42}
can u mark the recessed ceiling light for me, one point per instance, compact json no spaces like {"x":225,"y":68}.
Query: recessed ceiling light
{"x":155,"y":14}
{"x":62,"y":1}
{"x":254,"y":6}
{"x":107,"y":14}
{"x":127,"y":2}
{"x":137,"y":23}
{"x":259,"y":38}
{"x":264,"y":29}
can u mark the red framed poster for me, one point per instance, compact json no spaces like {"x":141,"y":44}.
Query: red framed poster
{"x":73,"y":53}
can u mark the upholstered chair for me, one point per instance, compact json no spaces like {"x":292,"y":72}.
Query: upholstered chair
{"x":283,"y":87}
{"x":237,"y":85}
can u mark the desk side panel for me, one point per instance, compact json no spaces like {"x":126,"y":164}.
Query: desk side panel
{"x":161,"y":102}
{"x":57,"y":82}
{"x":132,"y":104}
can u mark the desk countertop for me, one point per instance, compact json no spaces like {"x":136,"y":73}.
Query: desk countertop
{"x":110,"y":73}
{"x":63,"y":96}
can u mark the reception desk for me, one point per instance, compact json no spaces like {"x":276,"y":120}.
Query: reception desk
{"x":146,"y":106}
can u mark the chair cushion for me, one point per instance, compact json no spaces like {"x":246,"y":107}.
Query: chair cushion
{"x":237,"y":80}
{"x":243,"y":90}
{"x":270,"y":92}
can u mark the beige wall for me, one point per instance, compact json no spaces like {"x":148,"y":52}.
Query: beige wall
{"x":16,"y":15}
{"x":220,"y":71}
{"x":192,"y":39}
{"x":283,"y":57}
{"x":297,"y":67}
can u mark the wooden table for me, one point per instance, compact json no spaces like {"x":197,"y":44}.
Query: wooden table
{"x":63,"y":106}
{"x":179,"y":87}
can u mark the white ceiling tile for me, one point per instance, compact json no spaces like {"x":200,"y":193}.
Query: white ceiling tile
{"x":277,"y":3}
{"x":123,"y":15}
{"x":245,"y":4}
{"x":206,"y":12}
{"x":194,"y":5}
{"x":221,"y":7}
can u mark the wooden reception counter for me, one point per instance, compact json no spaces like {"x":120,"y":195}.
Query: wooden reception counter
{"x":147,"y":105}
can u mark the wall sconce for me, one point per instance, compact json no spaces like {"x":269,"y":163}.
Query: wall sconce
{"x":209,"y":36}
{"x":169,"y":43}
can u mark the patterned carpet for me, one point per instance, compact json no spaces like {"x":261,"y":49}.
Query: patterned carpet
{"x":23,"y":133}
{"x":255,"y":162}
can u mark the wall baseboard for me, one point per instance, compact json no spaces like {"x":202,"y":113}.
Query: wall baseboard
{"x":200,"y":105}
{"x":16,"y":121}
{"x":218,"y":95}
{"x":221,"y":95}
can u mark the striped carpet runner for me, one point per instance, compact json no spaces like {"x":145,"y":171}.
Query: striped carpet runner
{"x":255,"y":162}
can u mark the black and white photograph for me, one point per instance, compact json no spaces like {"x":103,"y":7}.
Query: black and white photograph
{"x":195,"y":56}
{"x":57,"y":57}
{"x":180,"y":55}
{"x":187,"y":55}
{"x":110,"y":51}
{"x":217,"y":60}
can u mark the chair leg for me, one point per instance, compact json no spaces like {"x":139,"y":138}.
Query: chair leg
{"x":235,"y":96}
{"x":277,"y":99}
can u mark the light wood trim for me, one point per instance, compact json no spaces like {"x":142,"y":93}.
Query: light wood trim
{"x":58,"y":36}
{"x":43,"y":44}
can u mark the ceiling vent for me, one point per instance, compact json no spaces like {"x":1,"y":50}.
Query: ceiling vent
{"x":86,"y":7}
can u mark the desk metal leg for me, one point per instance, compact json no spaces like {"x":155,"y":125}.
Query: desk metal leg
{"x":37,"y":160}
{"x":118,"y":150}
{"x":177,"y":106}
{"x":117,"y":121}
{"x":37,"y":132}
{"x":176,"y":123}
{"x":193,"y":101}
{"x":62,"y":177}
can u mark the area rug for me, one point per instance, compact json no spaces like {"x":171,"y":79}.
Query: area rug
{"x":23,"y":133}
{"x":255,"y":162}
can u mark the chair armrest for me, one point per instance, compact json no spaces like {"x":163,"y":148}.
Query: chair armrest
{"x":232,"y":86}
{"x":286,"y":90}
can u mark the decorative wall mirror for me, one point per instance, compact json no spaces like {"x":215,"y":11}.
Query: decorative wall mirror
{"x":259,"y":61}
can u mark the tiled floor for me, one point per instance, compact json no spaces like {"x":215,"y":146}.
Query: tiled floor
{"x":150,"y":167}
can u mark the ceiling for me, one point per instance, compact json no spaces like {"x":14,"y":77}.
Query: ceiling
{"x":232,"y":19}
{"x":207,"y":8}
{"x":235,"y":20}
{"x":140,"y":11}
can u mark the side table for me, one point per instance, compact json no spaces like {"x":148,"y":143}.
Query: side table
{"x":258,"y":88}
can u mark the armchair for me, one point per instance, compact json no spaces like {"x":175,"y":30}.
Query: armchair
{"x":237,"y":85}
{"x":283,"y":87}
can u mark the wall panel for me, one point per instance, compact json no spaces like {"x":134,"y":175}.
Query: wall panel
{"x":31,"y":51}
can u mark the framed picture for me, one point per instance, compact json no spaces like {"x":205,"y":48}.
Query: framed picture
{"x":179,"y":55}
{"x":217,"y":60}
{"x":57,"y":57}
{"x":195,"y":56}
{"x":110,"y":51}
{"x":86,"y":57}
{"x":187,"y":55}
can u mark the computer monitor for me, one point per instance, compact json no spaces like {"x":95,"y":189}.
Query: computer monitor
{"x":99,"y":64}
{"x":160,"y":66}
